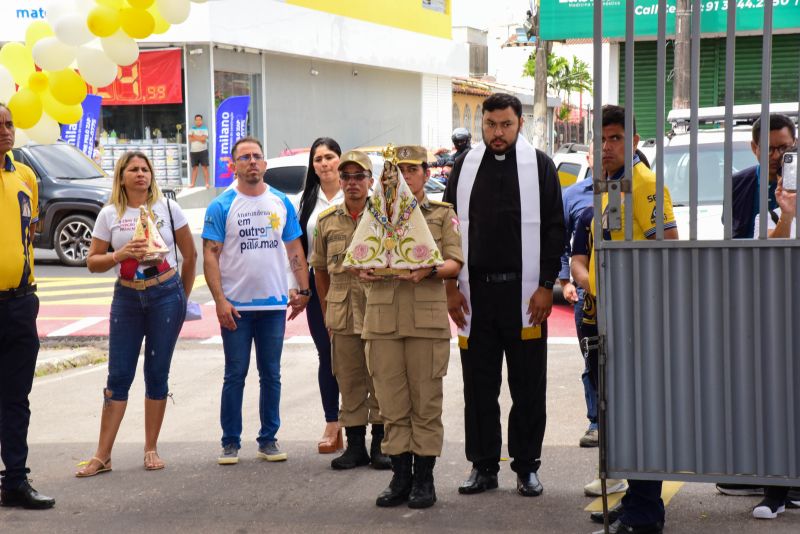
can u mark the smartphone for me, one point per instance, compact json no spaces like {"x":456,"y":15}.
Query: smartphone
{"x":790,"y":171}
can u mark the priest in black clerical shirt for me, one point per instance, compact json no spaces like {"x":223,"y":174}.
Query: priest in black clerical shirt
{"x":508,"y":200}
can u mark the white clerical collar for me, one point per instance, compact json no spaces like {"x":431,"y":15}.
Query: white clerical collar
{"x":500,"y":157}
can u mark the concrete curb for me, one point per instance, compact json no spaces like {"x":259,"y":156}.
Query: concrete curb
{"x":57,"y":357}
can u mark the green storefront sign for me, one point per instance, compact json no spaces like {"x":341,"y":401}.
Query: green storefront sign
{"x":574,"y":19}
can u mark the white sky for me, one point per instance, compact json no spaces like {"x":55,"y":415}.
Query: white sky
{"x":482,"y":13}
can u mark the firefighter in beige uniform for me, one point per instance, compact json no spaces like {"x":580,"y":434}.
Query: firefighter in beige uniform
{"x":408,"y":348}
{"x":342,"y":299}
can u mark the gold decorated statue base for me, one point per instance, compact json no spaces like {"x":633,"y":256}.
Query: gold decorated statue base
{"x":389,"y":273}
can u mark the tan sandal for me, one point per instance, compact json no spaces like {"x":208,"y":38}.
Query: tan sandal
{"x":104,"y":467}
{"x":150,"y":464}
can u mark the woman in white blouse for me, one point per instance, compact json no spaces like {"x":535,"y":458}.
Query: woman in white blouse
{"x":322,"y":190}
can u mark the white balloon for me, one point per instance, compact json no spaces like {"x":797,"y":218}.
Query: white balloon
{"x":46,"y":131}
{"x":85,"y":6}
{"x":7,"y":85}
{"x":96,"y":67}
{"x":51,"y":54}
{"x":21,"y":138}
{"x":174,"y":11}
{"x":57,"y":9}
{"x":72,"y":30}
{"x":120,"y":48}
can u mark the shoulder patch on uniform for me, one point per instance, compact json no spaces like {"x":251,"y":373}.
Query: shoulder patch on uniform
{"x":327,"y":212}
{"x":440,"y":203}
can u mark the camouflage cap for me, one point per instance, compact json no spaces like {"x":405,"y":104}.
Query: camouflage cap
{"x":412,"y":154}
{"x":357,"y":157}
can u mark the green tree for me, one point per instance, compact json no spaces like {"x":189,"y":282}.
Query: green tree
{"x":563,"y":77}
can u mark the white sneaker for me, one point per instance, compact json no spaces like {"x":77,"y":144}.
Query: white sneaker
{"x":768,"y":509}
{"x":593,"y":489}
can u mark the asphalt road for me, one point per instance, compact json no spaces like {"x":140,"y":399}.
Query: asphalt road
{"x":303,"y":494}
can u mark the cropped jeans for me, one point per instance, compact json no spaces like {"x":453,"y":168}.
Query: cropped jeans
{"x":156,"y":315}
{"x":266,"y":328}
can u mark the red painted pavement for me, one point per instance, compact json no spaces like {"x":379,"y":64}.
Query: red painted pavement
{"x":53,"y":317}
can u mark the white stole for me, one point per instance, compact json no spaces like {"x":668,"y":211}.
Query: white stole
{"x":530,"y":218}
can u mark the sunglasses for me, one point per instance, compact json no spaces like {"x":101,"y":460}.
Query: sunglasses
{"x":357,"y":176}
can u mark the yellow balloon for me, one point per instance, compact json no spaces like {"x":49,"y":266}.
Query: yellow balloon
{"x":161,"y":24}
{"x":141,"y":4}
{"x":37,"y":30}
{"x":137,"y":23}
{"x":38,"y":82}
{"x":67,"y":87}
{"x":26,"y":108}
{"x":60,"y":112}
{"x":113,"y":4}
{"x":103,"y":21}
{"x":18,"y":60}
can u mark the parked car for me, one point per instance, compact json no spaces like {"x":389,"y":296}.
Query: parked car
{"x":72,"y":189}
{"x":288,"y":173}
{"x":711,"y":158}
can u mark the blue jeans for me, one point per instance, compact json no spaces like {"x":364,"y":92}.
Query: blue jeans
{"x":642,"y":504}
{"x":266,"y":328}
{"x":589,"y":391}
{"x":155,"y":315}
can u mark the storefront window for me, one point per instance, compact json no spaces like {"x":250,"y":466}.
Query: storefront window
{"x":144,"y":109}
{"x":467,"y":117}
{"x":435,"y":5}
{"x":228,"y":84}
{"x":456,"y":116}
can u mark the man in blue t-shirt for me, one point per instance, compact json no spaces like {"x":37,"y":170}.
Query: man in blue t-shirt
{"x":249,"y":232}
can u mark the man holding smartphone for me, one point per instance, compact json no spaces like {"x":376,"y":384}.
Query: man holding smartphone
{"x":782,"y":138}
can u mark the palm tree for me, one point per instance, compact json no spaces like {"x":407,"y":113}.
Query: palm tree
{"x":563,"y":77}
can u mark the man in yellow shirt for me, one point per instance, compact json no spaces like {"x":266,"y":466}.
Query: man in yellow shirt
{"x":642,"y":508}
{"x":19,"y":341}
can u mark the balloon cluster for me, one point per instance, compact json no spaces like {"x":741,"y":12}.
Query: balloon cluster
{"x":43,"y":81}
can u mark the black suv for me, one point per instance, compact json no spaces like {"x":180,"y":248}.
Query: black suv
{"x":72,"y":190}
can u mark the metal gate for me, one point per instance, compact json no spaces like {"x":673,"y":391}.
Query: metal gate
{"x":700,"y":374}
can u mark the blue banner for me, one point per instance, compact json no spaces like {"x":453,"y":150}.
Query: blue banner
{"x":83,"y":133}
{"x":231,"y":126}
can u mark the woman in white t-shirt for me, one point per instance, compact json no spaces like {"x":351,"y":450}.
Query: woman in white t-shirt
{"x":322,"y":190}
{"x":149,"y":302}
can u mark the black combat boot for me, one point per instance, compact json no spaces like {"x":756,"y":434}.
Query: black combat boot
{"x":400,"y":486}
{"x":355,"y":454}
{"x":378,"y":460}
{"x":423,"y":494}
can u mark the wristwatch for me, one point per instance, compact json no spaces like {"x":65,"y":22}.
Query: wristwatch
{"x":547,"y":284}
{"x":433,"y":272}
{"x":304,"y":292}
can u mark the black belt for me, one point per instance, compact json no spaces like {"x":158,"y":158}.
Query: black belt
{"x":495,"y":278}
{"x":17,"y":292}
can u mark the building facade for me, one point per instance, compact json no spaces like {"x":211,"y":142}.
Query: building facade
{"x":362,"y":72}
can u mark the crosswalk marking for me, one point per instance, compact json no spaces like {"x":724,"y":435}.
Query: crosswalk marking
{"x":668,"y":490}
{"x":47,"y":283}
{"x":79,"y":301}
{"x":71,"y":328}
{"x":75,"y":291}
{"x":66,"y":292}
